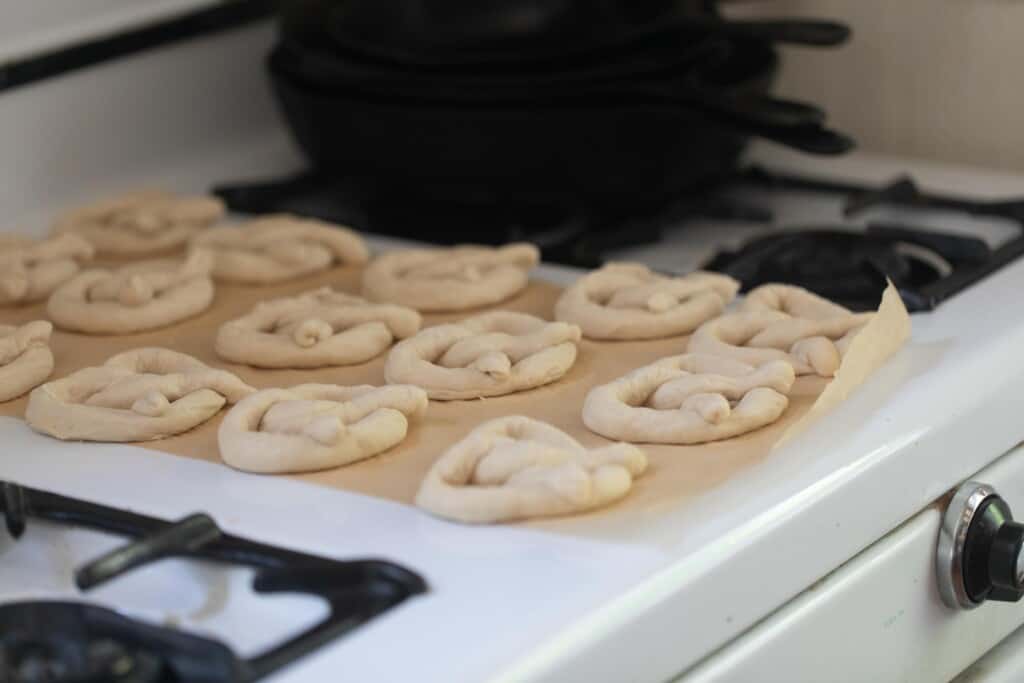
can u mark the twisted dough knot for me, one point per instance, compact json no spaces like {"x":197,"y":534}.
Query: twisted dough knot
{"x":487,"y":355}
{"x":141,"y":223}
{"x":316,"y":426}
{"x":280,"y":247}
{"x":31,"y":269}
{"x":628,"y":301}
{"x":689,"y":399}
{"x":138,"y":395}
{"x":452,"y":279}
{"x":134,"y":298}
{"x":782,"y":322}
{"x":25,"y":357}
{"x":516,"y":467}
{"x":313,"y":330}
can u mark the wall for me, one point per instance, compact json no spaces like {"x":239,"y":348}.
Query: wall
{"x":936,"y":79}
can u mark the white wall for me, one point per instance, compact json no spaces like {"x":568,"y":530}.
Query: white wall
{"x":941,"y":79}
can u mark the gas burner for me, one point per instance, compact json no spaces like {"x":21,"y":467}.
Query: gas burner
{"x":850,"y":264}
{"x":850,"y":267}
{"x":65,"y":642}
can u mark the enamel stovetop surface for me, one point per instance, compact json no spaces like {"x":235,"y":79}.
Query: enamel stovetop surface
{"x":641,"y":603}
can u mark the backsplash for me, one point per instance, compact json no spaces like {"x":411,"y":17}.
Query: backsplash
{"x":932,"y":79}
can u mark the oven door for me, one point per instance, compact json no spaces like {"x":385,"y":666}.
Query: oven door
{"x":880,"y":616}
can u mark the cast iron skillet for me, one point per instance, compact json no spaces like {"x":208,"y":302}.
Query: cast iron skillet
{"x":457,"y":32}
{"x":576,"y":126}
{"x":616,"y":153}
{"x":792,"y":123}
{"x":523,"y":34}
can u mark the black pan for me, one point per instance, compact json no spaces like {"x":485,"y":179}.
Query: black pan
{"x":458,"y":27}
{"x":753,"y":113}
{"x":680,"y":32}
{"x":615,"y":152}
{"x":313,"y":63}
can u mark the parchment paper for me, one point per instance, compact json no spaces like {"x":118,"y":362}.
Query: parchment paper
{"x":676,"y":471}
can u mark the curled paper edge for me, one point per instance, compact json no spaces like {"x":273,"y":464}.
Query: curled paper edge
{"x":888,"y":330}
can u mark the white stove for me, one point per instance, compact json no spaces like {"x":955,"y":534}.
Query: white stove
{"x":816,"y":564}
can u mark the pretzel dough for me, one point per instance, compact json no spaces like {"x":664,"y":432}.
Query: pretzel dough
{"x":316,"y":426}
{"x":25,"y":358}
{"x":317,"y":329}
{"x":795,"y":301}
{"x":141,"y":223}
{"x":689,"y":399}
{"x":782,"y":322}
{"x":31,"y":269}
{"x":280,"y":247}
{"x":138,"y":395}
{"x":516,"y":467}
{"x":452,"y":279}
{"x":627,"y":301}
{"x":491,"y":354}
{"x":134,"y":298}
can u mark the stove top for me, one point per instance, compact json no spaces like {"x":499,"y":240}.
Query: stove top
{"x":918,"y":240}
{"x":69,"y":641}
{"x":850,"y":263}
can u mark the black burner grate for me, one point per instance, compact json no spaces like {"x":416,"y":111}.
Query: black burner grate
{"x":58,"y":642}
{"x":851,"y":266}
{"x":843,"y":262}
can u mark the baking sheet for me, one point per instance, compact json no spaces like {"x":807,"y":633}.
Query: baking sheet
{"x":675,"y":471}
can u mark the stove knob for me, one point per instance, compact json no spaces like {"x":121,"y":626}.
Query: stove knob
{"x":979,"y":553}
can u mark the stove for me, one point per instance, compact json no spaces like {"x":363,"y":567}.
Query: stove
{"x":822,"y":552}
{"x":848,"y":259}
{"x":50,"y":641}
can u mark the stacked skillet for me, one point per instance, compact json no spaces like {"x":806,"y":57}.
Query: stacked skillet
{"x":615,"y":104}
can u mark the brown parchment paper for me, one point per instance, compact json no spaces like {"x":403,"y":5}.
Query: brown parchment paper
{"x":675,"y":471}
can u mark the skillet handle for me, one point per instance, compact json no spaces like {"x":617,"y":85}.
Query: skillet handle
{"x":811,"y":139}
{"x":790,"y":31}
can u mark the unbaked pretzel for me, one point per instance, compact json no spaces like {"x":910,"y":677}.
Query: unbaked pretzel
{"x":491,"y":354}
{"x":764,"y":330}
{"x":280,"y":247}
{"x":516,"y":468}
{"x":316,"y":426}
{"x":689,"y":399}
{"x":31,"y":269}
{"x":25,"y":357}
{"x":134,"y":298}
{"x":623,"y":301}
{"x":138,"y":395}
{"x":141,"y":223}
{"x":792,"y":300}
{"x":316,"y":329}
{"x":450,"y":279}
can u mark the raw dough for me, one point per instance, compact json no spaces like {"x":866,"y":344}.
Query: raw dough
{"x":627,"y":301}
{"x":25,"y":357}
{"x":516,"y":468}
{"x":689,"y":399}
{"x":317,"y":329}
{"x":316,"y":426}
{"x":31,"y":269}
{"x":451,"y":279}
{"x":134,"y":298}
{"x":792,"y":300}
{"x":491,"y":354}
{"x":138,"y":395}
{"x":142,"y":223}
{"x":280,"y":247}
{"x":782,"y":322}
